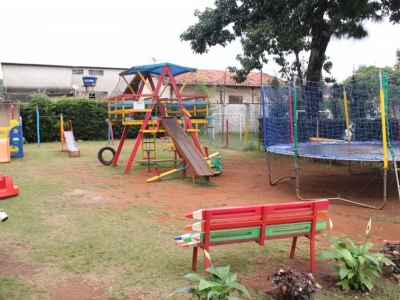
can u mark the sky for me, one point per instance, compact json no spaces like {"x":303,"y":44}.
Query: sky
{"x":123,"y":34}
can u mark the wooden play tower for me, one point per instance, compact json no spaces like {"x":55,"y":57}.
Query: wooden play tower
{"x":144,"y":96}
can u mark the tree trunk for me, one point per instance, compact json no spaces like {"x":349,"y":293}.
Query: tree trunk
{"x":320,"y":38}
{"x":312,"y":94}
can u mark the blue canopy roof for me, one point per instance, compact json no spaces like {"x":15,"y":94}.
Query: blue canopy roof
{"x":157,"y":69}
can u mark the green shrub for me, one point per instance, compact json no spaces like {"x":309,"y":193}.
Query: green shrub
{"x":355,"y":264}
{"x":88,"y":118}
{"x":221,"y":285}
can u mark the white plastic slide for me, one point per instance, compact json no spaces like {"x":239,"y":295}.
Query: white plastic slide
{"x":70,"y":142}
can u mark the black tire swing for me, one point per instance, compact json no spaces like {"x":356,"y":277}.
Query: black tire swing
{"x":101,"y":158}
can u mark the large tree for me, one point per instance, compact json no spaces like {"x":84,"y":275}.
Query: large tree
{"x":283,"y":27}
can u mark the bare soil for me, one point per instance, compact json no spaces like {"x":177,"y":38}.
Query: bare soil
{"x":243,"y":182}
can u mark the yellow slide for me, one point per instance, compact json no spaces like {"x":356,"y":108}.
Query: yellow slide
{"x":4,"y":151}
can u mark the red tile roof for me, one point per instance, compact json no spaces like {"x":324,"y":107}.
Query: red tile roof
{"x":215,"y":77}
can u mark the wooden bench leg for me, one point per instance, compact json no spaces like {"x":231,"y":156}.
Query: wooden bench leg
{"x":312,"y":252}
{"x":293,"y":248}
{"x":194,"y":258}
{"x":312,"y":255}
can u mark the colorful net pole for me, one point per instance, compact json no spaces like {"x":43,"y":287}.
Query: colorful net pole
{"x":294,"y":99}
{"x":383,"y":120}
{"x":346,"y":113}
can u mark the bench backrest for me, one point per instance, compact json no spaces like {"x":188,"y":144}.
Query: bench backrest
{"x":260,"y":222}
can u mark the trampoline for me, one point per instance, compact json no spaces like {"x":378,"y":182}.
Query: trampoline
{"x":352,"y":127}
{"x":347,"y":151}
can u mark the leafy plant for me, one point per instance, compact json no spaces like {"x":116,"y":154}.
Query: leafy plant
{"x":221,"y":285}
{"x":392,"y":251}
{"x":294,"y":285}
{"x":355,"y":264}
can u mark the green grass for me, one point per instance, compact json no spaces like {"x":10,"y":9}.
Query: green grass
{"x":126,"y":249}
{"x":15,"y":289}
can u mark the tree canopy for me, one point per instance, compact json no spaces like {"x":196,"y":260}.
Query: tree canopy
{"x":282,"y":27}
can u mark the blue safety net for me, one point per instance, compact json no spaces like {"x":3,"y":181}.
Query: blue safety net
{"x":345,"y":118}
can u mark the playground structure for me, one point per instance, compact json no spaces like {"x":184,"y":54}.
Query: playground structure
{"x":66,"y":136}
{"x":176,"y":117}
{"x":11,"y":140}
{"x":344,"y":141}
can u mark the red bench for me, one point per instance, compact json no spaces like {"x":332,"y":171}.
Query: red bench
{"x":229,"y":225}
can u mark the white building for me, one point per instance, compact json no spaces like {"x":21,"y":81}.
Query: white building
{"x":20,"y":80}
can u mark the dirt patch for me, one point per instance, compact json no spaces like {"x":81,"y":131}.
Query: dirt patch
{"x":11,"y":266}
{"x":242,"y":183}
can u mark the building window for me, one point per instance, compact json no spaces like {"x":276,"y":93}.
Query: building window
{"x":235,"y":99}
{"x":77,"y":71}
{"x":96,"y":72}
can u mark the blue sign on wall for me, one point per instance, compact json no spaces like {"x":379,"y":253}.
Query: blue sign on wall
{"x":89,"y":80}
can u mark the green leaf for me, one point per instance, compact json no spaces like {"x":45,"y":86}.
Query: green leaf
{"x":231,"y":278}
{"x":383,"y":259}
{"x":343,"y":272}
{"x":212,"y":293}
{"x":347,"y":256}
{"x":361,"y":275}
{"x":352,"y":243}
{"x":366,"y":247}
{"x":361,"y":259}
{"x":372,"y":258}
{"x":367,"y":282}
{"x":205,"y":284}
{"x":350,"y":275}
{"x":193,"y":277}
{"x":239,"y":287}
{"x":345,"y":284}
{"x":331,"y":254}
{"x":221,"y":272}
{"x":186,"y":289}
{"x":374,"y":271}
{"x":354,"y":250}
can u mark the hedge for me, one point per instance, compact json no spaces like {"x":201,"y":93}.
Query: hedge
{"x":88,"y":119}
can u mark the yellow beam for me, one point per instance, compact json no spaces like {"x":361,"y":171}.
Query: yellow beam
{"x":186,"y":80}
{"x":145,"y":82}
{"x":187,"y":113}
{"x":347,"y":116}
{"x":129,"y":85}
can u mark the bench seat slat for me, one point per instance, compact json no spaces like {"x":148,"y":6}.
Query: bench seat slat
{"x":254,"y":232}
